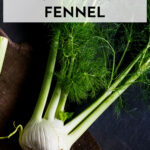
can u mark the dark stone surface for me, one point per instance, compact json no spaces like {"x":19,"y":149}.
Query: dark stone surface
{"x":131,"y":131}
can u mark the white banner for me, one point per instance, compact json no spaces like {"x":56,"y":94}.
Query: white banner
{"x":74,"y":10}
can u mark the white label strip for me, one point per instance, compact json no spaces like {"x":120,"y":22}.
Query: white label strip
{"x":74,"y":10}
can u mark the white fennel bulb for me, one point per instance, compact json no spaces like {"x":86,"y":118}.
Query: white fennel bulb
{"x":44,"y":135}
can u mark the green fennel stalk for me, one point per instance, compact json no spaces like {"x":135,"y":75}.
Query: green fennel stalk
{"x":83,"y":126}
{"x":37,"y":114}
{"x":3,"y":47}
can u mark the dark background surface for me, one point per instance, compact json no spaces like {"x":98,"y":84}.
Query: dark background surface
{"x":131,"y":131}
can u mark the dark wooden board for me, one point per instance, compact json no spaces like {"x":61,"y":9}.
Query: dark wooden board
{"x":13,"y":74}
{"x":15,"y":69}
